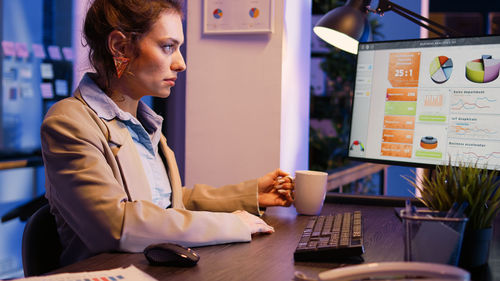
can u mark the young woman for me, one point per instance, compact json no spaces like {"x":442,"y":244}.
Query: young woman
{"x":111,"y":180}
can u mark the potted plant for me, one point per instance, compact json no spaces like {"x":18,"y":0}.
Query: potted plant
{"x":471,"y":183}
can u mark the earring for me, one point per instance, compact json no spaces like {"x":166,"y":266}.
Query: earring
{"x":120,"y":65}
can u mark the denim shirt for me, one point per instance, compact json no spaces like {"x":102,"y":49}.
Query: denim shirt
{"x":145,"y":134}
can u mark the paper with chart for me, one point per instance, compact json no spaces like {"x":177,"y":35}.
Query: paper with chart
{"x":130,"y":273}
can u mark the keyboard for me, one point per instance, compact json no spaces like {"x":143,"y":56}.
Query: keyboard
{"x":331,"y":237}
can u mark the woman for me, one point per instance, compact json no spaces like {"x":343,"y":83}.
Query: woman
{"x":111,"y":180}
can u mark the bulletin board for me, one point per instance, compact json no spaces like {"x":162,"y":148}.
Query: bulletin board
{"x":238,"y":16}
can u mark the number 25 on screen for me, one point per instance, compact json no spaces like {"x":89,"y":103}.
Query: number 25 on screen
{"x":403,"y":73}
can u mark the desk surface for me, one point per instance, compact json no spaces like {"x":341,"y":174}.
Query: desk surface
{"x":270,"y":257}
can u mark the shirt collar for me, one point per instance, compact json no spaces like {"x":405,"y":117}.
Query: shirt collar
{"x":107,"y":109}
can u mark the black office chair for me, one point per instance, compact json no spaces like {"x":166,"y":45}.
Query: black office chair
{"x":41,"y":247}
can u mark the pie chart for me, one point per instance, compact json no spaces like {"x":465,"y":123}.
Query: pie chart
{"x":482,"y":70}
{"x":254,"y":13}
{"x":440,"y":69}
{"x":217,"y":13}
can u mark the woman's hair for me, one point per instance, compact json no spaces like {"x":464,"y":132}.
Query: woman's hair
{"x":134,"y":18}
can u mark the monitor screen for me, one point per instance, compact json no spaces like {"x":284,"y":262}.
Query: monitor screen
{"x":428,"y":101}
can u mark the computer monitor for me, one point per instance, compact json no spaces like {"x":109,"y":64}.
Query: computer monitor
{"x":426,"y":102}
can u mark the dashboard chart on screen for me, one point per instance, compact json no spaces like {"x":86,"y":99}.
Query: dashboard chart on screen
{"x":427,"y":101}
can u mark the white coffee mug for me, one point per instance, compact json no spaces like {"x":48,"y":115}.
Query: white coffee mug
{"x":310,"y":191}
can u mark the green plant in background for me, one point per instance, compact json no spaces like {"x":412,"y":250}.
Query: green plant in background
{"x":328,"y":152}
{"x":465,"y":182}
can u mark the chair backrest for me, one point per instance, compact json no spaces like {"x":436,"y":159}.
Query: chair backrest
{"x":41,"y":247}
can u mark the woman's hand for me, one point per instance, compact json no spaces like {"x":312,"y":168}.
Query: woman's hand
{"x":254,"y":223}
{"x":276,"y":189}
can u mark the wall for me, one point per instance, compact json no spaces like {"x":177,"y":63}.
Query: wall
{"x":295,"y":84}
{"x":247,"y":98}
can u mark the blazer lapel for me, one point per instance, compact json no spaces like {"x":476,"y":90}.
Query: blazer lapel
{"x":173,"y":174}
{"x":129,"y":161}
{"x":123,"y":147}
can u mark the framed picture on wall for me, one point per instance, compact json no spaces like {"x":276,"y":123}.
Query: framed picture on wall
{"x":238,"y":16}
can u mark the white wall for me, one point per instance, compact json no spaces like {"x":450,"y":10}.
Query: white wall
{"x":247,"y":98}
{"x":295,"y":93}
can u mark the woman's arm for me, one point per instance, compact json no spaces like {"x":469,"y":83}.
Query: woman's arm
{"x":84,"y":185}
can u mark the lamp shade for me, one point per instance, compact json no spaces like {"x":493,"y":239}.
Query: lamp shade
{"x":342,"y":27}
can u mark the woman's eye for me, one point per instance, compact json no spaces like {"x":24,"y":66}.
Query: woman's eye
{"x":169,"y":48}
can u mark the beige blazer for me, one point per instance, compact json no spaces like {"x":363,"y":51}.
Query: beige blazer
{"x":100,"y":196}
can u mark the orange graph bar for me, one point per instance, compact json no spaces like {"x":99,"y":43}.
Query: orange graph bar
{"x":401,"y":94}
{"x":401,"y":136}
{"x":404,"y":69}
{"x":399,"y":122}
{"x":433,"y":100}
{"x":396,"y":149}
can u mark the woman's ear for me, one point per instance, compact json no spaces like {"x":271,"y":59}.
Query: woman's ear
{"x":117,"y":43}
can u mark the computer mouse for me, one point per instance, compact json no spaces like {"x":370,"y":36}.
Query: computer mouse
{"x":170,"y":254}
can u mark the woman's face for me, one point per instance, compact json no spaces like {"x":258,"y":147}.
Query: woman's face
{"x":155,"y":70}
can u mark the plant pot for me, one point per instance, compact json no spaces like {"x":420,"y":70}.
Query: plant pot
{"x":475,"y":248}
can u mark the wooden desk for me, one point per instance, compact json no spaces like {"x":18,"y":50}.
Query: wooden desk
{"x":270,"y":257}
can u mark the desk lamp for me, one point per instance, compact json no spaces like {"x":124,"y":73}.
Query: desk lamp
{"x":342,"y":27}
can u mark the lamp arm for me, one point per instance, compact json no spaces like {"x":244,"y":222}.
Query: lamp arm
{"x":386,"y":5}
{"x":427,"y":26}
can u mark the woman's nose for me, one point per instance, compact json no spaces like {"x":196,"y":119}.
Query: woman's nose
{"x":178,"y":63}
